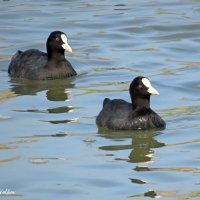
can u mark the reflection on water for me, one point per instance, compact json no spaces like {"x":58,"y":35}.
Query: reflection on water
{"x":141,"y":147}
{"x":63,"y":121}
{"x":63,"y":109}
{"x":42,"y":135}
{"x":9,"y":159}
{"x":4,"y":95}
{"x":56,"y":89}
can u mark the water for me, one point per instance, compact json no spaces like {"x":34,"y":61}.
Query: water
{"x":50,"y":145}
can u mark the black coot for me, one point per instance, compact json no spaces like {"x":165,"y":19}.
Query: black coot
{"x":34,"y":64}
{"x":118,"y":114}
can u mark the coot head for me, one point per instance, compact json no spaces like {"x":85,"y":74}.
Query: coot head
{"x":140,"y":91}
{"x":57,"y":42}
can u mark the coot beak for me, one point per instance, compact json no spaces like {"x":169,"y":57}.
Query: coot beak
{"x":152,"y":90}
{"x":67,"y":47}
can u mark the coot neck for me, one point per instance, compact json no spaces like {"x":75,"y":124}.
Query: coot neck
{"x":140,"y":101}
{"x":57,"y":55}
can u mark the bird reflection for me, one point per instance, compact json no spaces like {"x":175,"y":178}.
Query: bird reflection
{"x":142,"y":145}
{"x":56,"y":89}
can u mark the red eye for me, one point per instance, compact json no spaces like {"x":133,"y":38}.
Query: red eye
{"x":140,"y":86}
{"x":57,"y":39}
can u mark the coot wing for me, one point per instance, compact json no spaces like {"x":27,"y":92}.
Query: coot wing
{"x":23,"y":63}
{"x":113,"y":111}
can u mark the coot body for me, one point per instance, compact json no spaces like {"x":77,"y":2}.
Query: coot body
{"x":35,"y":64}
{"x":118,"y":114}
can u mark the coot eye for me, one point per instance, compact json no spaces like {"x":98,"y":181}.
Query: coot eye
{"x":57,"y":39}
{"x":140,"y":86}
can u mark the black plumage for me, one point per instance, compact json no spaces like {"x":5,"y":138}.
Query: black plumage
{"x":118,"y":114}
{"x":34,"y":64}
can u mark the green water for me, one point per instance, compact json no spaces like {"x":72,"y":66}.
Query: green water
{"x":50,"y":146}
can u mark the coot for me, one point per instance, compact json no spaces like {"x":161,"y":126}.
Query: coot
{"x":118,"y":114}
{"x":34,"y":64}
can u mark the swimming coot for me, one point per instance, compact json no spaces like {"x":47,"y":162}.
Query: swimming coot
{"x":34,"y":64}
{"x":118,"y":114}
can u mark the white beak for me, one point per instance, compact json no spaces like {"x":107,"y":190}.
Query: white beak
{"x":152,"y":90}
{"x":67,"y":47}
